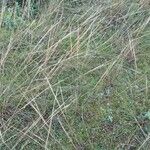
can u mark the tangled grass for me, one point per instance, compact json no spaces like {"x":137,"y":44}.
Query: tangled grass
{"x":75,"y":76}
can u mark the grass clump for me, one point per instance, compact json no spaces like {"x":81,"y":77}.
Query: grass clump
{"x":75,"y":75}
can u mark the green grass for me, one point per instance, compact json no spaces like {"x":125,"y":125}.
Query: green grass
{"x":75,"y":75}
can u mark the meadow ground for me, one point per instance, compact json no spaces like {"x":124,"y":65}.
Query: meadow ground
{"x":75,"y":75}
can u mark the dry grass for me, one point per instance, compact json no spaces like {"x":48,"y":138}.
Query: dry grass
{"x":75,"y":80}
